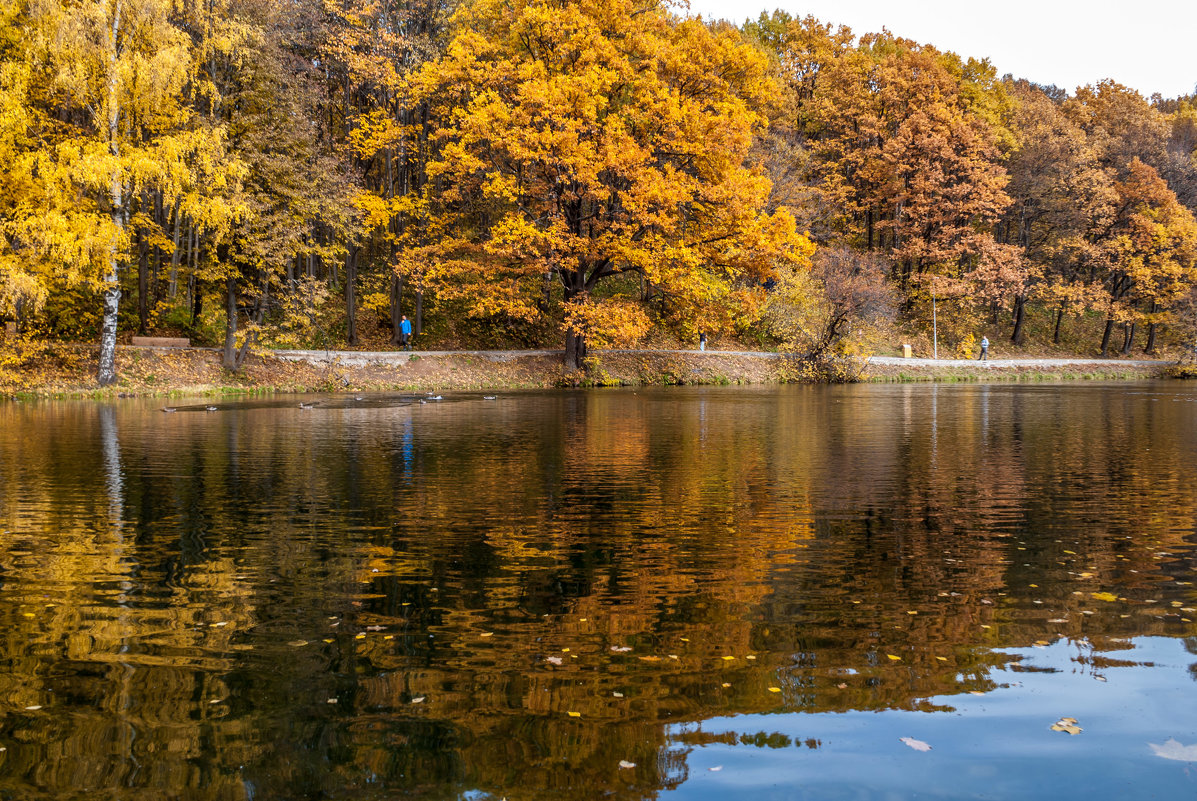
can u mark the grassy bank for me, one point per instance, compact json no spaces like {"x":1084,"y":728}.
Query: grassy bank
{"x":40,"y":370}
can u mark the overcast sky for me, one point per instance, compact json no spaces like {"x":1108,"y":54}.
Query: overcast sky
{"x":1149,"y":45}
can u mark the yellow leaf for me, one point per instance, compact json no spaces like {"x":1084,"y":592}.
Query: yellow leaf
{"x":1105,"y":596}
{"x":894,"y":658}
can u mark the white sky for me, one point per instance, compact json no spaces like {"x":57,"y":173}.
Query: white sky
{"x":1148,"y":45}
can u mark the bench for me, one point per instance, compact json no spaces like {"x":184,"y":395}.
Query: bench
{"x":161,"y":342}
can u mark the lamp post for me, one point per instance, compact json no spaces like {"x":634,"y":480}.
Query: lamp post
{"x":934,"y":329}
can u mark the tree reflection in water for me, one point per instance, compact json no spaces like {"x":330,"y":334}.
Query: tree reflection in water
{"x":513,"y":597}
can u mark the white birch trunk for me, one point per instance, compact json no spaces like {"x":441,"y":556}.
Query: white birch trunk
{"x":112,"y":286}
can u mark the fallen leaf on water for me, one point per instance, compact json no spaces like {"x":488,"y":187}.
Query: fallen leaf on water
{"x":1067,"y":725}
{"x":673,"y":656}
{"x":725,"y":684}
{"x":375,"y":628}
{"x":33,"y":708}
{"x":220,"y":623}
{"x":297,"y":643}
{"x":418,"y":699}
{"x":727,"y":658}
{"x":1105,"y":596}
{"x":1174,"y":750}
{"x":620,"y":649}
{"x":556,"y":660}
{"x":751,"y":656}
{"x":894,"y":658}
{"x":581,"y":620}
{"x":617,"y":695}
{"x":359,"y":636}
{"x":331,"y":701}
{"x":326,"y":639}
{"x":942,"y":658}
{"x":1058,"y":620}
{"x":685,"y":639}
{"x":917,"y":745}
{"x":565,"y":650}
{"x":215,"y":700}
{"x":774,"y":689}
{"x":649,"y":658}
{"x":575,"y":714}
{"x":842,"y":686}
{"x":623,"y":763}
{"x":487,"y":634}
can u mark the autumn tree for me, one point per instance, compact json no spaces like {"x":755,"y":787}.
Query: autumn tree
{"x":581,"y":141}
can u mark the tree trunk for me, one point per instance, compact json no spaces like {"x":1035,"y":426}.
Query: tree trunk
{"x":229,"y":362}
{"x":1128,"y":338}
{"x":1150,"y":349}
{"x":143,"y":284}
{"x":350,"y":297}
{"x":575,"y":342}
{"x":396,"y":302}
{"x":1105,"y":338}
{"x":1020,"y":303}
{"x":173,"y":286}
{"x":1059,"y":319}
{"x":106,"y":375}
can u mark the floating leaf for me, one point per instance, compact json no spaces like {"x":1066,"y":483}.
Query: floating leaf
{"x":331,"y":701}
{"x":419,"y":699}
{"x":623,"y":763}
{"x":842,"y":686}
{"x":359,"y":636}
{"x":556,"y":660}
{"x":1174,"y":750}
{"x":575,"y":714}
{"x":894,"y":658}
{"x":727,"y":658}
{"x":33,"y":708}
{"x":726,"y":685}
{"x":297,"y":643}
{"x":1105,"y":596}
{"x":774,"y":689}
{"x":617,"y":695}
{"x":942,"y":658}
{"x":1067,"y":725}
{"x":620,"y":649}
{"x":917,"y":745}
{"x":487,"y":634}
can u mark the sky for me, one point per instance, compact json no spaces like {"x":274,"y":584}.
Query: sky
{"x":1148,"y":45}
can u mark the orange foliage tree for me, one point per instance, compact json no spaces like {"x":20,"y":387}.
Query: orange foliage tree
{"x":579,"y":141}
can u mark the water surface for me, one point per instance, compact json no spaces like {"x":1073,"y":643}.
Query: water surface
{"x":723,"y":590}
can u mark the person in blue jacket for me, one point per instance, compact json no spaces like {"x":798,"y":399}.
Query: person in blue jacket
{"x":405,"y":333}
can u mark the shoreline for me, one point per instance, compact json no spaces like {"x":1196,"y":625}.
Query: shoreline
{"x":68,"y":371}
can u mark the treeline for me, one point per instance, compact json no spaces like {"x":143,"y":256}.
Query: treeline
{"x":599,"y":169}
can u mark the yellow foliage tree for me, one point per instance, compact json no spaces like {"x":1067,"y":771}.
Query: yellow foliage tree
{"x":103,"y":116}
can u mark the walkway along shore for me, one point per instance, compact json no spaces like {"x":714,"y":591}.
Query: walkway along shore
{"x":70,"y":371}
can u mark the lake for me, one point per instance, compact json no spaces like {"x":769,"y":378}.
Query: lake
{"x":857,"y":592}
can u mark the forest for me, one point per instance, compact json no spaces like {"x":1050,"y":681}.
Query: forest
{"x":585,"y":173}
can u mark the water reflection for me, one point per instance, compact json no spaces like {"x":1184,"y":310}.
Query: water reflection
{"x":382,"y":597}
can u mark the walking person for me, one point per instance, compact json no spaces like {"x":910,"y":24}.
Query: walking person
{"x":984,"y":349}
{"x":702,"y":340}
{"x":405,"y":333}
